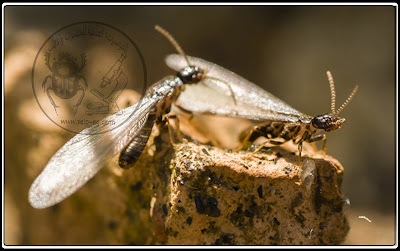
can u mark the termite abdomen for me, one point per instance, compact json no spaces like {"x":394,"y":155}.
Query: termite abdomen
{"x":134,"y":149}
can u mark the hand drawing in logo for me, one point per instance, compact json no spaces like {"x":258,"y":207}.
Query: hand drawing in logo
{"x":66,"y":79}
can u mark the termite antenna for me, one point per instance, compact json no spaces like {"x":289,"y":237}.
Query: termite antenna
{"x":173,"y":41}
{"x":333,"y":92}
{"x":179,"y":49}
{"x":347,"y":100}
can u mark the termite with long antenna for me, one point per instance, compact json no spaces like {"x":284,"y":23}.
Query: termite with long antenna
{"x":276,"y":121}
{"x":307,"y":129}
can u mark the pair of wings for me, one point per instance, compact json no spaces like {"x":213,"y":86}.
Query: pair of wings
{"x":84,"y":155}
{"x":225,"y":93}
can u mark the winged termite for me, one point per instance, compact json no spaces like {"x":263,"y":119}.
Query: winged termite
{"x":83,"y":156}
{"x":277,"y":121}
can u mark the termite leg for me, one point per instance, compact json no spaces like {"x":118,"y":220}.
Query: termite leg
{"x":168,"y":117}
{"x":161,"y":123}
{"x":185,"y":111}
{"x":318,"y":138}
{"x":314,"y":147}
{"x":170,"y":132}
{"x":324,"y":146}
{"x":273,"y":142}
{"x":245,"y":140}
{"x":178,"y":128}
{"x":300,"y":147}
{"x":260,"y":147}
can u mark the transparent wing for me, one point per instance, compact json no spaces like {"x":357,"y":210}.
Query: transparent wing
{"x":84,"y":155}
{"x":202,"y":99}
{"x":244,"y":91}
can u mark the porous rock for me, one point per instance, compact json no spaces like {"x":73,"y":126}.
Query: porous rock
{"x":209,"y":196}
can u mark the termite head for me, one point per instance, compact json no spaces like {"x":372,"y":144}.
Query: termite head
{"x":190,"y":74}
{"x":327,"y":122}
{"x":331,"y":121}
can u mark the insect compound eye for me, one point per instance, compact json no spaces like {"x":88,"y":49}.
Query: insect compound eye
{"x":190,"y":74}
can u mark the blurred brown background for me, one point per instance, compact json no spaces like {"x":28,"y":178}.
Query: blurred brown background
{"x":284,"y":49}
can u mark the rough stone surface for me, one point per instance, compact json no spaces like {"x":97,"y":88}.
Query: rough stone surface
{"x":209,"y":196}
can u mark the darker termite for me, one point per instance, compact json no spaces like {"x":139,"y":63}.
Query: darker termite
{"x":170,"y":87}
{"x":84,"y":155}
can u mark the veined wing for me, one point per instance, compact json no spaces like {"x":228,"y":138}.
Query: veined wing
{"x":202,"y":99}
{"x":84,"y":155}
{"x":244,"y":91}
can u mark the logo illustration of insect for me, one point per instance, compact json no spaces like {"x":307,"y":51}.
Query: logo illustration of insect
{"x":277,"y":121}
{"x":66,"y":79}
